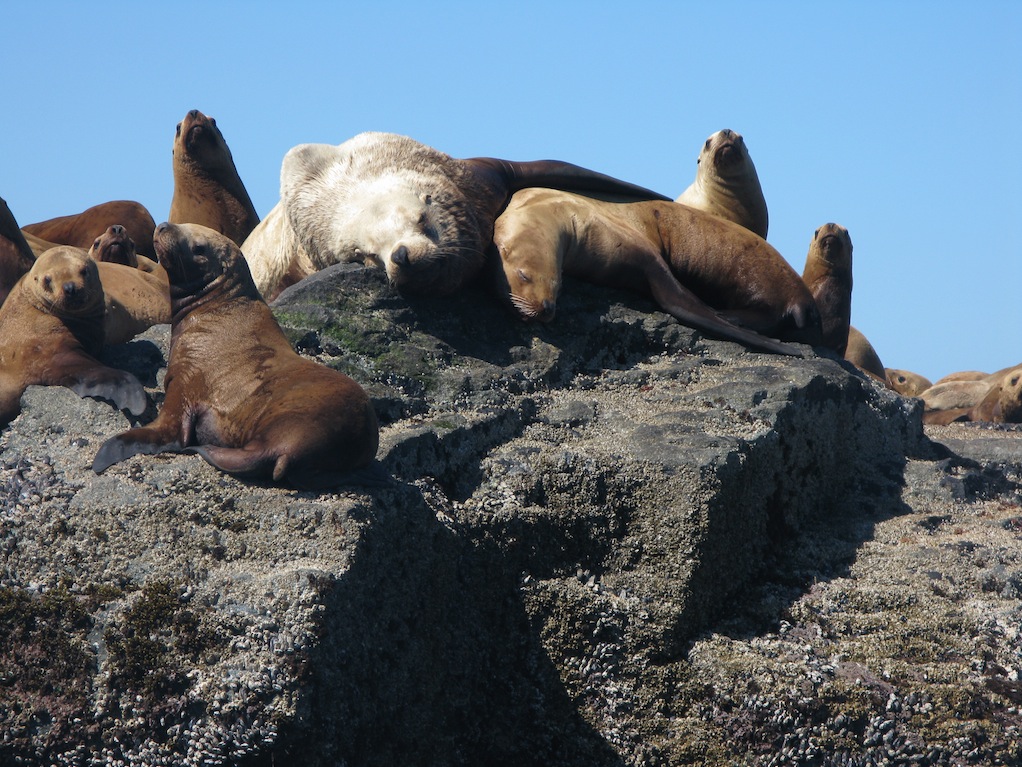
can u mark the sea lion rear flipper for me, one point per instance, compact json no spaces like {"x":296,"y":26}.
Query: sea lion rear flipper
{"x":140,"y":441}
{"x":555,"y":174}
{"x":241,"y":461}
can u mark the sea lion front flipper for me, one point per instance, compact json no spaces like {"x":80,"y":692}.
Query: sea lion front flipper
{"x":87,"y":377}
{"x":140,"y":441}
{"x":555,"y":174}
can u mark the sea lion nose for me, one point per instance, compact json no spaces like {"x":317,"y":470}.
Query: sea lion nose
{"x":549,"y":308}
{"x":70,"y":289}
{"x":117,"y":229}
{"x":161,"y":228}
{"x":400,"y":255}
{"x":193,"y":113}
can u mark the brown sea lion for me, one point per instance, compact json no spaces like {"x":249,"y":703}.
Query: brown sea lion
{"x":726,"y":183}
{"x":51,"y":328}
{"x":860,"y":352}
{"x":114,"y":246}
{"x":136,"y":299}
{"x":828,"y":275}
{"x":207,"y":188}
{"x":1002,"y":403}
{"x":37,"y":244}
{"x":16,"y":256}
{"x":707,"y":272}
{"x":907,"y":383}
{"x":81,"y":229}
{"x":424,"y":216}
{"x":237,"y":393}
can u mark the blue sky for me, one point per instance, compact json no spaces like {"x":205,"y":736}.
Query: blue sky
{"x":898,"y":120}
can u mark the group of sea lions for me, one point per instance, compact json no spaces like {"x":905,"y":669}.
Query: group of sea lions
{"x":236,"y":392}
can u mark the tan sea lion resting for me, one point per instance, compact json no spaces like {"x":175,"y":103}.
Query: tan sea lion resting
{"x":207,"y":188}
{"x":1002,"y":403}
{"x":136,"y":299}
{"x":236,"y":392}
{"x":16,"y":256}
{"x":726,"y":183}
{"x":424,"y":216}
{"x":907,"y":383}
{"x":82,"y":228}
{"x":828,"y":275}
{"x":114,"y":246}
{"x":962,"y":391}
{"x":962,"y":375}
{"x":860,"y":352}
{"x":707,"y":272}
{"x":51,"y":328}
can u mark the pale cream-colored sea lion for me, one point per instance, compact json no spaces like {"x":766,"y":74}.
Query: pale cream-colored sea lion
{"x":962,"y":375}
{"x":237,"y":393}
{"x":828,"y":275}
{"x":907,"y":383}
{"x":81,"y":229}
{"x":860,"y":352}
{"x":726,"y":183}
{"x":704,"y":270}
{"x":1002,"y":402}
{"x":207,"y":188}
{"x":278,"y":260}
{"x":51,"y":329}
{"x":16,"y":256}
{"x":424,"y":216}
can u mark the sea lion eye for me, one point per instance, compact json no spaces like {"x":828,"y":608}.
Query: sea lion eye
{"x":178,"y":131}
{"x":816,"y":234}
{"x":523,"y":276}
{"x":708,"y":142}
{"x":96,"y":243}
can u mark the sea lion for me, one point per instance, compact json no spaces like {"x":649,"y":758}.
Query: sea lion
{"x":136,"y":300}
{"x":1002,"y":403}
{"x":16,"y":256}
{"x":860,"y":352}
{"x":278,"y":259}
{"x":956,"y":395}
{"x":704,"y":270}
{"x":114,"y":246}
{"x":424,"y":216}
{"x":828,"y":275}
{"x":51,"y":328}
{"x":962,"y":375}
{"x":907,"y":383}
{"x":207,"y":188}
{"x":726,"y":183}
{"x":236,"y":392}
{"x":82,"y":228}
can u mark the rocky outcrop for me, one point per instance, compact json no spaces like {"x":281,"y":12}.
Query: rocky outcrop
{"x":609,"y":541}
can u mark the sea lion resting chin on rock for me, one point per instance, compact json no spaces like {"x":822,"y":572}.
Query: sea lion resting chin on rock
{"x":51,"y":329}
{"x":705,"y":271}
{"x":424,"y":216}
{"x":236,"y":392}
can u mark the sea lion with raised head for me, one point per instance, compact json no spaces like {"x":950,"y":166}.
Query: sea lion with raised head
{"x":16,"y":256}
{"x":705,"y":271}
{"x":51,"y":329}
{"x":726,"y":183}
{"x":207,"y":188}
{"x":81,"y":229}
{"x":236,"y":392}
{"x":422,"y":215}
{"x":828,"y":275}
{"x":114,"y":246}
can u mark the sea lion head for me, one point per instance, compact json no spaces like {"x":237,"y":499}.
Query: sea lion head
{"x":65,"y":282}
{"x":1009,"y":402}
{"x":199,"y":143}
{"x":907,"y":383}
{"x":404,"y":215}
{"x":114,"y":246}
{"x":200,"y":262}
{"x":725,"y":153}
{"x":833,"y":244}
{"x":529,"y":282}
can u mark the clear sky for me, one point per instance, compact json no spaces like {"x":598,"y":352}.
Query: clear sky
{"x":899,"y":120}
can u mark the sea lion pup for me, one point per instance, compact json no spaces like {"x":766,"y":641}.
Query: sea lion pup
{"x":726,"y":183}
{"x":688,"y":260}
{"x":81,"y":229}
{"x":424,"y":216}
{"x":16,"y":256}
{"x":828,"y":275}
{"x":907,"y":383}
{"x":1002,"y":403}
{"x":51,"y":328}
{"x":860,"y":352}
{"x":236,"y":392}
{"x":207,"y":188}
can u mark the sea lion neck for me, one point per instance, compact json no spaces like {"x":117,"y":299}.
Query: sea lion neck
{"x":197,"y":296}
